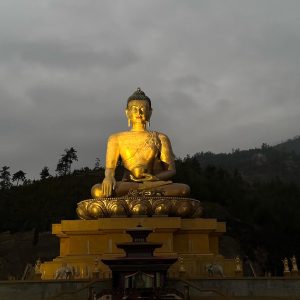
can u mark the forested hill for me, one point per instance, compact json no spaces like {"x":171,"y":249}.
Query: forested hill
{"x":260,"y":164}
{"x":257,"y":192}
{"x":291,"y":145}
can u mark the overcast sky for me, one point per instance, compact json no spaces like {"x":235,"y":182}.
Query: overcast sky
{"x":221,"y":75}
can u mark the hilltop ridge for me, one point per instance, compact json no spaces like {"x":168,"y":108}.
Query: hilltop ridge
{"x":265,"y":163}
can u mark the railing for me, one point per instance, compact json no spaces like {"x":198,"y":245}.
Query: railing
{"x":188,"y":285}
{"x":156,"y":293}
{"x":89,"y":286}
{"x":92,"y":294}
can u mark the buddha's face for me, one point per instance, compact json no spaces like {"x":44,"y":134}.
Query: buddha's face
{"x":138,"y":111}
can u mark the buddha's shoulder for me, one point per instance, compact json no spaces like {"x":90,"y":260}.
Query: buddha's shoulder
{"x":118,"y":135}
{"x":162,"y":136}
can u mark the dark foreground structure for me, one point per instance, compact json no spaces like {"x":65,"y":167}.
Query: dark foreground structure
{"x":139,"y":272}
{"x":244,"y":288}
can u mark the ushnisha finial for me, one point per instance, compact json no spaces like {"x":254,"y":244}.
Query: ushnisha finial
{"x":139,"y":95}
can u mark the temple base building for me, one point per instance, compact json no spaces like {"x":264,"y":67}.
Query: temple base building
{"x":194,"y":241}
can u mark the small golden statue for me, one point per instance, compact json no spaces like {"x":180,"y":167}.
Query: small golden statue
{"x":294,"y":265}
{"x":286,"y":268}
{"x":149,"y":163}
{"x":182,"y":269}
{"x":37,"y":269}
{"x":37,"y":266}
{"x":96,"y":269}
{"x":238,"y":265}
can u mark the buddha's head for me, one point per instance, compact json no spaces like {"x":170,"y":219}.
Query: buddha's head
{"x":138,"y":108}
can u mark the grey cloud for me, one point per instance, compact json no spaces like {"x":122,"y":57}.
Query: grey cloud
{"x":220,"y":75}
{"x":59,"y":54}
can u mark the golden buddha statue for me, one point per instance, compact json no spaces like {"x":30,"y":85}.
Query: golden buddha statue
{"x":147,"y":156}
{"x":149,"y":163}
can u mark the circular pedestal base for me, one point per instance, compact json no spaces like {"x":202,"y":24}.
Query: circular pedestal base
{"x":139,"y":206}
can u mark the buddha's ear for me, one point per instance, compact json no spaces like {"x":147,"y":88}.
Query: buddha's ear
{"x":128,"y":117}
{"x":150,"y":113}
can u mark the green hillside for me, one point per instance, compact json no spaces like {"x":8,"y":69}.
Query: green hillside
{"x":260,"y":164}
{"x":255,"y":191}
{"x":291,"y":145}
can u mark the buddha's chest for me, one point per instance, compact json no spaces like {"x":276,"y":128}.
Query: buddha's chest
{"x":139,"y":146}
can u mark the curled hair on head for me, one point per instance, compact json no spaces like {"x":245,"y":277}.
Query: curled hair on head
{"x":139,"y":95}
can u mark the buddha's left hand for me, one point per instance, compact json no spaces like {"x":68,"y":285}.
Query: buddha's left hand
{"x":149,"y":177}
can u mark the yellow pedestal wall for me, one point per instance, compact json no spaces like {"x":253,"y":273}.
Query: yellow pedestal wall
{"x":84,"y":241}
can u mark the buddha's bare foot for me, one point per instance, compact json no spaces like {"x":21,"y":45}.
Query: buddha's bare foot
{"x":176,"y":189}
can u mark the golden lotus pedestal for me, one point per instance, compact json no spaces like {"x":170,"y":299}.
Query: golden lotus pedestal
{"x":83,"y":243}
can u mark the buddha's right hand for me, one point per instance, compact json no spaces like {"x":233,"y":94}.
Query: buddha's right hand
{"x":108,"y":185}
{"x":149,"y":177}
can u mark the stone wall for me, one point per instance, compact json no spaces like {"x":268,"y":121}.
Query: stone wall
{"x":243,"y":287}
{"x":252,"y":288}
{"x":50,"y":290}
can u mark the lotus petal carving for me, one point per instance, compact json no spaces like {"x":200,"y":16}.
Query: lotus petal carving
{"x":139,"y":206}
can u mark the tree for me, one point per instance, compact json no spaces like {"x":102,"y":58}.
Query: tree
{"x":265,"y":146}
{"x":28,"y":181}
{"x":97,"y":164}
{"x":20,"y":175}
{"x":5,"y":178}
{"x":45,"y":173}
{"x":64,"y":164}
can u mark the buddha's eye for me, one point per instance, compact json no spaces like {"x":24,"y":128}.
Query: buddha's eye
{"x":137,"y":109}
